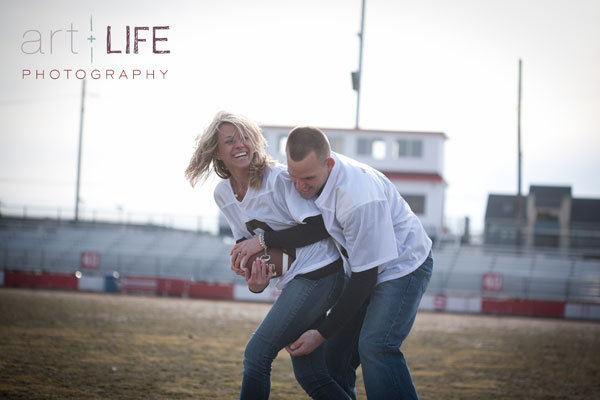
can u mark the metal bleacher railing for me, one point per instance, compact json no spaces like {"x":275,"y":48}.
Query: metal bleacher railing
{"x":56,"y":246}
{"x":545,"y":274}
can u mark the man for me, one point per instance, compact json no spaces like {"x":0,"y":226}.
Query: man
{"x":389,"y":255}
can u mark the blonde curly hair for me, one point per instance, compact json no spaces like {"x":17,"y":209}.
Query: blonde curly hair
{"x":207,"y":146}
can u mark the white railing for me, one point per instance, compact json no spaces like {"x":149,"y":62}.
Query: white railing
{"x":198,"y":223}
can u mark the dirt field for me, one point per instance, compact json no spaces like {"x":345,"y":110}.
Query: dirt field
{"x":56,"y":345}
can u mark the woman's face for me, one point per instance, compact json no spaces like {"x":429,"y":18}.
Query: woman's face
{"x":235,"y":151}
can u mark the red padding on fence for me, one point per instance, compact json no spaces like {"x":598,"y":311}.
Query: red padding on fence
{"x":211,"y":291}
{"x":176,"y":287}
{"x":172,"y":287}
{"x":40,"y":280}
{"x":138,"y":284}
{"x":530,"y":308}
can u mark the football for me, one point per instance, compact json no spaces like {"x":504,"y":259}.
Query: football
{"x":277,"y":259}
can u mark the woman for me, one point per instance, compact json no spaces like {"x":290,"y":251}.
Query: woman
{"x":257,"y":196}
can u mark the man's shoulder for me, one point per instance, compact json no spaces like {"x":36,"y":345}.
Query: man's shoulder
{"x":357,"y":182}
{"x":350,"y":184}
{"x":352,"y":170}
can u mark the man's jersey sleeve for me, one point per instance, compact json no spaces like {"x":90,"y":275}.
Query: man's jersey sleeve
{"x":369,"y":234}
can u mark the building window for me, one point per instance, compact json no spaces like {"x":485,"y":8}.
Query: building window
{"x":416,"y":148}
{"x":363,"y":147}
{"x":416,"y":203}
{"x":282,"y":142}
{"x":402,"y":148}
{"x":546,"y":230}
{"x":374,"y":148}
{"x":409,"y":148}
{"x":378,"y":149}
{"x":337,"y":144}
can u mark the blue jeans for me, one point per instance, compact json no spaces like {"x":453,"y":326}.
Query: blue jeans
{"x":301,"y":306}
{"x":374,"y":336}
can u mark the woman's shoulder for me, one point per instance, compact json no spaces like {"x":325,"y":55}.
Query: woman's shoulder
{"x":272,"y":172}
{"x":275,"y":167}
{"x":222,"y":190}
{"x":222,"y":185}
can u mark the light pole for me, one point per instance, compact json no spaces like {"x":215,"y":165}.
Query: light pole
{"x":356,"y":75}
{"x":77,"y":200}
{"x":519,"y":162}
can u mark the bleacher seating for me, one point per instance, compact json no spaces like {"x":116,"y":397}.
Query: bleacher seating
{"x":141,"y":250}
{"x":129,"y":250}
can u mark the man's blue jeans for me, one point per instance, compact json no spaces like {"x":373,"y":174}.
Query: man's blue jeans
{"x":374,"y":342}
{"x":302,"y":304}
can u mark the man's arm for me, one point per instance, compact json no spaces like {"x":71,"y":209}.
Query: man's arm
{"x":370,"y":240}
{"x":357,"y":291}
{"x":311,"y":231}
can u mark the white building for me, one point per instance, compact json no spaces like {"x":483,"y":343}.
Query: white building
{"x":413,"y":161}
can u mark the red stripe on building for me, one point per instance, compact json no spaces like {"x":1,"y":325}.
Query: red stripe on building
{"x":414,"y":176}
{"x":529,"y":308}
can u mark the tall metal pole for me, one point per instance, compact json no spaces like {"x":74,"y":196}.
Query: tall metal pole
{"x":519,"y":161}
{"x":79,"y":151}
{"x":357,"y":78}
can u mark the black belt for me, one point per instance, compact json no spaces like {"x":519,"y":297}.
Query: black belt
{"x":322,"y":272}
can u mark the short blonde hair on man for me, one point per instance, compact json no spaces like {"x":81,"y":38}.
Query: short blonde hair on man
{"x":207,"y":145}
{"x":304,"y":139}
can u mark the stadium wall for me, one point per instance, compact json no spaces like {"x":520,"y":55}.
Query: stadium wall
{"x":147,"y":285}
{"x":91,"y":284}
{"x":41,"y":280}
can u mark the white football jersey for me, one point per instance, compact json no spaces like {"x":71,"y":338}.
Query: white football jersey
{"x":364,"y":212}
{"x":276,"y":206}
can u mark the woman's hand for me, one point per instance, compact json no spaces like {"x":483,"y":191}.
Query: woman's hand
{"x":240,"y":253}
{"x":237,"y":270}
{"x":258,"y":276}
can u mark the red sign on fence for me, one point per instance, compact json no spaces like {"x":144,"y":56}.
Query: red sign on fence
{"x":440,"y":302}
{"x":492,"y":282}
{"x":90,"y":259}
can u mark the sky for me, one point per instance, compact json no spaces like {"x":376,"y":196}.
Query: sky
{"x":428,"y":65}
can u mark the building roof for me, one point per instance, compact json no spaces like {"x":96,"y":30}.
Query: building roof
{"x":583,"y":211}
{"x":359,"y":131}
{"x":503,"y":206}
{"x":586,"y":211}
{"x":549,"y":196}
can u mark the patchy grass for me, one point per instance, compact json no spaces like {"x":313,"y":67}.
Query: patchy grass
{"x":69,"y":345}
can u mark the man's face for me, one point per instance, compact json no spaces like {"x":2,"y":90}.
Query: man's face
{"x":310,"y":174}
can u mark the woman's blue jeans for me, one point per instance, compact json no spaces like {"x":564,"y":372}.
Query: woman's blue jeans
{"x":373,"y":339}
{"x":301,"y":306}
